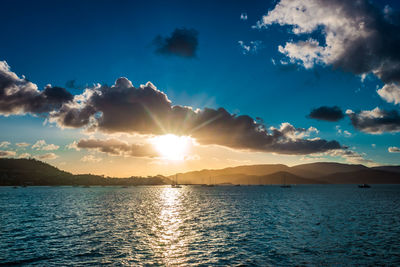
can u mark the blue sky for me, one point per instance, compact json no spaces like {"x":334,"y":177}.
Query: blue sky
{"x":53,"y":42}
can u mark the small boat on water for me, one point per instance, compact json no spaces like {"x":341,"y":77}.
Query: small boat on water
{"x":364,"y":186}
{"x":210,"y":184}
{"x":175,"y":183}
{"x":284,"y":185}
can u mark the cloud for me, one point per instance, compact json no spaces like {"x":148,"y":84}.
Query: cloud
{"x":394,"y":149}
{"x":345,"y":133}
{"x":4,"y":144}
{"x":351,"y":156}
{"x":20,"y":96}
{"x":24,"y":156}
{"x":117,"y":148}
{"x":376,"y":121}
{"x":123,"y":108}
{"x":251,"y":48}
{"x":42,"y":145}
{"x":91,"y":158}
{"x":327,"y":113}
{"x":49,"y":156}
{"x":182,"y":42}
{"x":243,"y":16}
{"x":7,"y":153}
{"x":356,"y":37}
{"x":390,"y":92}
{"x":22,"y":144}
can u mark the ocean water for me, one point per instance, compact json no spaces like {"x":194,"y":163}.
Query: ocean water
{"x":304,"y":225}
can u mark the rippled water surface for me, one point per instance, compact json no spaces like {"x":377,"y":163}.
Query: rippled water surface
{"x":221,"y":225}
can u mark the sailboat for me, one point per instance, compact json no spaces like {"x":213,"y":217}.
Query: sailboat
{"x":175,"y":183}
{"x":210,"y":184}
{"x":284,"y":185}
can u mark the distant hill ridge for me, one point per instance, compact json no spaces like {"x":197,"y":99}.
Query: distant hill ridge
{"x":311,"y":173}
{"x":34,"y":172}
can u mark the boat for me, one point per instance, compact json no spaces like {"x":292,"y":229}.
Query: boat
{"x":210,"y":184}
{"x":175,"y":183}
{"x":364,"y":186}
{"x":284,"y":185}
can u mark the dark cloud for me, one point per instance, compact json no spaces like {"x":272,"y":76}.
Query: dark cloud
{"x":356,"y":36}
{"x":117,"y":148}
{"x":327,"y":113}
{"x":146,"y":110}
{"x":375,"y":121}
{"x":18,"y":96}
{"x":182,"y":42}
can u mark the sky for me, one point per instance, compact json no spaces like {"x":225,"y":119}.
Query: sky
{"x":126,"y":88}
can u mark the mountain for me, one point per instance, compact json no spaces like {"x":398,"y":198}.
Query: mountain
{"x":34,"y":172}
{"x":368,"y":176}
{"x":223,"y":175}
{"x":317,"y":169}
{"x":312,"y":173}
{"x":388,"y":168}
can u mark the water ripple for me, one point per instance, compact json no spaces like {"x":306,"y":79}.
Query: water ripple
{"x":222,"y":225}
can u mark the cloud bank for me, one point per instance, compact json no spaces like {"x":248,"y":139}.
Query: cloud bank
{"x":124,"y":108}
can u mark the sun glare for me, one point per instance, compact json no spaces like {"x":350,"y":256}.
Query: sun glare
{"x":172,"y":147}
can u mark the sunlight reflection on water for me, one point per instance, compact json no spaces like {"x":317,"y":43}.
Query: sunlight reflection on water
{"x":222,"y":225}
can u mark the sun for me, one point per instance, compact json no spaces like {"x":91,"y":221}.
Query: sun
{"x":172,"y":147}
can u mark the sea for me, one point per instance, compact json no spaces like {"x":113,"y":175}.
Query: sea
{"x":305,"y":225}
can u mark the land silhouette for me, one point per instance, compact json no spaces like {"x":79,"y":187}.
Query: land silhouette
{"x":14,"y":172}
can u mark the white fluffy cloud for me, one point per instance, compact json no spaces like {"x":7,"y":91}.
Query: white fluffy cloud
{"x":394,"y":149}
{"x":355,"y":36}
{"x":42,"y":145}
{"x":390,"y":92}
{"x":251,"y":47}
{"x":22,"y":144}
{"x":4,"y":144}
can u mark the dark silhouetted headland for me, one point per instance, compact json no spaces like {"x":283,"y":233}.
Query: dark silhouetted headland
{"x":33,"y":172}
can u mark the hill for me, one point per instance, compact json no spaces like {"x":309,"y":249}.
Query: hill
{"x":312,"y":173}
{"x":34,"y":172}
